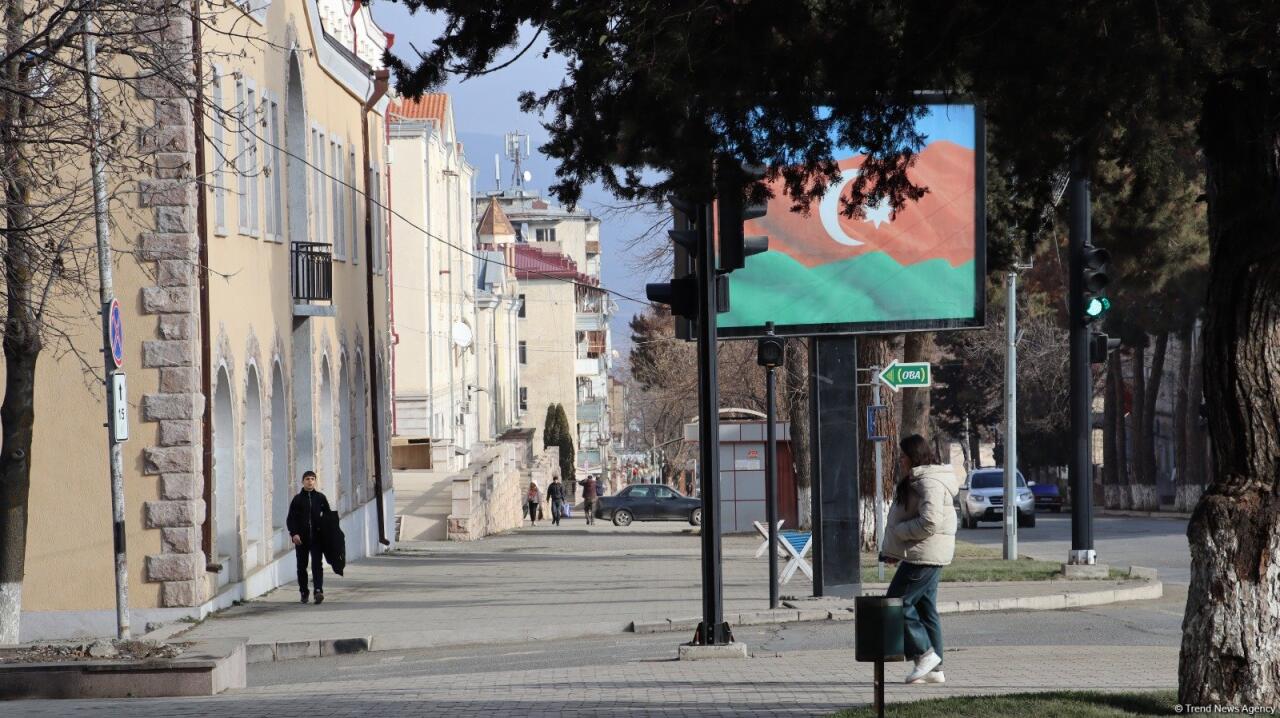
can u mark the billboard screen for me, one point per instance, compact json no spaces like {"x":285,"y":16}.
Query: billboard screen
{"x":919,"y":269}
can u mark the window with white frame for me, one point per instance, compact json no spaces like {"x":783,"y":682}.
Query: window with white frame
{"x":219,"y":178}
{"x":354,"y":197}
{"x":524,"y":399}
{"x":322,"y":190}
{"x":275,"y":182}
{"x":523,"y":348}
{"x":242,"y":159}
{"x":375,"y":194}
{"x":249,"y":126}
{"x":545,"y":234}
{"x":313,"y":173}
{"x":339,"y":203}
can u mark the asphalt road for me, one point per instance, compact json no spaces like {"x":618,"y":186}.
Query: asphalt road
{"x":1120,"y":541}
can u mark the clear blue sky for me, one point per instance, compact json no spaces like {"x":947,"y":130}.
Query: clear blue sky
{"x":485,"y":108}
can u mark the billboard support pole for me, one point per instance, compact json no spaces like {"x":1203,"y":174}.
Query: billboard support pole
{"x":713,"y":631}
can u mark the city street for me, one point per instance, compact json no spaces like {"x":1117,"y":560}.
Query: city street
{"x":1120,"y":541}
{"x":796,"y":668}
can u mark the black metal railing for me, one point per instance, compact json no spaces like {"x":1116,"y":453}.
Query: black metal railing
{"x":312,"y":271}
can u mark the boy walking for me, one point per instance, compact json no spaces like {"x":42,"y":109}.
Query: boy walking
{"x":305,"y":512}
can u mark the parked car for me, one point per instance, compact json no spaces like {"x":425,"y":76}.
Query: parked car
{"x":1047,"y":496}
{"x":649,"y":502}
{"x":981,"y":498}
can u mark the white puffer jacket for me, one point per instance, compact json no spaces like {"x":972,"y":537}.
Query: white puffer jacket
{"x":922,"y":529}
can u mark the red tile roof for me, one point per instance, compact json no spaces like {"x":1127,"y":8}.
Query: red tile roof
{"x":428,"y":107}
{"x":534,"y":263}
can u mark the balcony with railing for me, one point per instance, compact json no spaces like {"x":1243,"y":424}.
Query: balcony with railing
{"x":312,"y":279}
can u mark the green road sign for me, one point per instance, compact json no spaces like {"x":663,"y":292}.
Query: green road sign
{"x":911,"y":375}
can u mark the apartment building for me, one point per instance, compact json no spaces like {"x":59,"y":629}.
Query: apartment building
{"x":563,"y":326}
{"x":255,"y":304}
{"x":444,"y":360}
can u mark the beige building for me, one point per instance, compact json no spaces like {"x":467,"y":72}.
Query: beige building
{"x":563,"y":328}
{"x":441,"y":360}
{"x":252,"y":271}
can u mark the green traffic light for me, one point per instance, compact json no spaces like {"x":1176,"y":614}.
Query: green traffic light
{"x":1097,"y":306}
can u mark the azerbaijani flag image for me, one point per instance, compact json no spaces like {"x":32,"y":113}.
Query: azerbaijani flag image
{"x":828,"y":273}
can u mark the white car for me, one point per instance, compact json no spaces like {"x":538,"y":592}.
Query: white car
{"x":981,"y":498}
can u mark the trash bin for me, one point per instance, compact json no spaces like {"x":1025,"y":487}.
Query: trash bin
{"x":878,"y":629}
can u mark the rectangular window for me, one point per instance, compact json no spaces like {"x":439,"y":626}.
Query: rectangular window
{"x":355,"y":207}
{"x":378,"y":258}
{"x":339,"y":201}
{"x":242,"y":160}
{"x":268,"y":168}
{"x":312,"y":183}
{"x":322,"y":185}
{"x":545,"y":235}
{"x":250,"y":128}
{"x":219,"y":155}
{"x":277,"y":175}
{"x":524,"y":352}
{"x":524,"y":399}
{"x":520,"y":312}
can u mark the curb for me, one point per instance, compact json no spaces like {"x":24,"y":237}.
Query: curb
{"x":1050,"y":602}
{"x":1125,"y":513}
{"x":795,"y":612}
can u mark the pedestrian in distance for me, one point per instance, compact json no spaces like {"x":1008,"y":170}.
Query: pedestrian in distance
{"x":533,"y":497}
{"x":589,"y":494}
{"x":555,"y":492}
{"x":920,"y":536}
{"x":305,"y":514}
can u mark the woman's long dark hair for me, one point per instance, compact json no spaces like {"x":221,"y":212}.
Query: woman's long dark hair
{"x":919,"y":453}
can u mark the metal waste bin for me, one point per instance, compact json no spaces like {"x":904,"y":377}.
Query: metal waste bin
{"x":878,"y":629}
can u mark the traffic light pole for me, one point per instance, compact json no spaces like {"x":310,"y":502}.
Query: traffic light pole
{"x":713,"y":631}
{"x":1080,"y":470}
{"x":771,"y":476}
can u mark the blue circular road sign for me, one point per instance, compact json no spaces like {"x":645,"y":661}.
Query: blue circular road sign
{"x":115,"y":329}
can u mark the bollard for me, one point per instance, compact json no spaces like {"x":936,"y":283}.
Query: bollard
{"x":878,"y":628}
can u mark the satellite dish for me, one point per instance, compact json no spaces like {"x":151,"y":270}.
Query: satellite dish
{"x":461,"y":335}
{"x":528,"y":176}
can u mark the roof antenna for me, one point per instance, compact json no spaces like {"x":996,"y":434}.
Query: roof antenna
{"x":517,"y":144}
{"x":497,"y":171}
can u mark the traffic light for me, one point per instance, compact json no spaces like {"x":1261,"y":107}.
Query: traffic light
{"x":1100,"y":346}
{"x":769,"y":351}
{"x":681,"y":293}
{"x":1094,"y":282}
{"x":733,"y":211}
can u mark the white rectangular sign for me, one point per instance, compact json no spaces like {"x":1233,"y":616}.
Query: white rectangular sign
{"x":119,"y":408}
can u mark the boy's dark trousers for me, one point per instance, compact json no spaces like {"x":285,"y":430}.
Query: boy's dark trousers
{"x":317,"y":566}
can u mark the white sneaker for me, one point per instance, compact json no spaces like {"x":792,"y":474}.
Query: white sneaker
{"x":924,"y":666}
{"x":931,"y":677}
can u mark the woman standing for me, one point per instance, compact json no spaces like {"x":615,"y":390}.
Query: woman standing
{"x":921,"y":535}
{"x":533,"y":497}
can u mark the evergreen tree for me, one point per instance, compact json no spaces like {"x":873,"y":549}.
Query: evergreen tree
{"x":564,"y":439}
{"x":550,"y":428}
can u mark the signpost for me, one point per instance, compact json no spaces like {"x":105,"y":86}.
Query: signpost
{"x":907,"y":374}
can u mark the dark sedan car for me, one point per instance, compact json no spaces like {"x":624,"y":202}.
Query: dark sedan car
{"x":1047,"y":496}
{"x":648,"y":502}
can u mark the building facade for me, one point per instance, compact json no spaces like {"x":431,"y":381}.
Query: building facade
{"x":565,"y":346}
{"x":253,"y":276}
{"x":437,"y":357}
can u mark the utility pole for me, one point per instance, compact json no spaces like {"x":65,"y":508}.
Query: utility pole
{"x":1080,"y":468}
{"x":880,"y":517}
{"x":1011,"y":419}
{"x":112,"y":347}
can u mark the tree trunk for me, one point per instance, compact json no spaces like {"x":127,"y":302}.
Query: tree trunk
{"x":1231,"y":629}
{"x":1123,"y":449}
{"x":1111,"y":410}
{"x":974,"y":437}
{"x":22,"y":345}
{"x":874,"y":351}
{"x":1180,"y":428}
{"x":1147,"y":497}
{"x":1197,"y":440}
{"x":795,"y":393}
{"x":1136,"y":422}
{"x":918,"y":347}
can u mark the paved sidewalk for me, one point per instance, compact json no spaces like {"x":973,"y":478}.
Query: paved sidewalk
{"x":801,"y":683}
{"x":537,"y":583}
